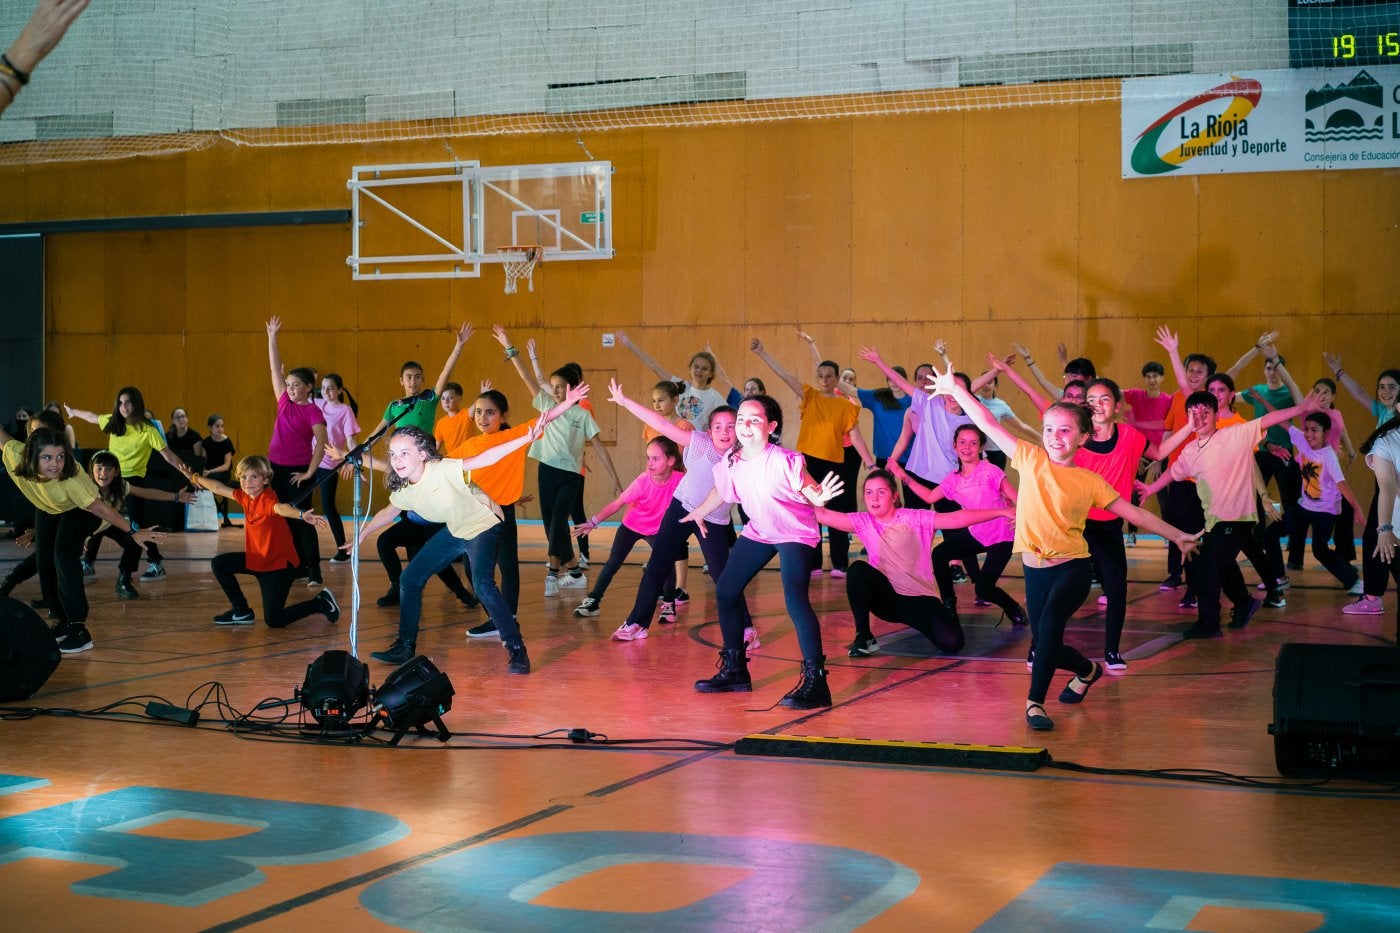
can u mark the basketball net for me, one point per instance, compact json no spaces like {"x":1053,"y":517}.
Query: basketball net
{"x":520,"y":262}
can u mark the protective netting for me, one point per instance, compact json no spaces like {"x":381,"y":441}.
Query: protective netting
{"x":152,"y":76}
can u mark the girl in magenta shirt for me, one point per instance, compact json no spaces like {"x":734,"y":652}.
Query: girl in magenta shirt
{"x":648,"y":495}
{"x":297,"y":445}
{"x":772,"y":485}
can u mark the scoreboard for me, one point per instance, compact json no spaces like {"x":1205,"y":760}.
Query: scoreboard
{"x":1343,"y":33}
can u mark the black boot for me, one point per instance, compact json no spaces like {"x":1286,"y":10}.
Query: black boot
{"x":733,"y":676}
{"x":950,"y":609}
{"x":811,"y":691}
{"x":390,"y":598}
{"x":124,"y":588}
{"x":7,"y":585}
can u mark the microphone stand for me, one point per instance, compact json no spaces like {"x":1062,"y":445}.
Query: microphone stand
{"x":356,"y":456}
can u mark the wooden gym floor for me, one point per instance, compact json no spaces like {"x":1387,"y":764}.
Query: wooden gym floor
{"x":129,"y":823}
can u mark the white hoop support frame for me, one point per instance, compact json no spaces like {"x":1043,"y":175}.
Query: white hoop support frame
{"x":519,"y":262}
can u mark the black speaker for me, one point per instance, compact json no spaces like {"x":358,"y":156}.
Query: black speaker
{"x":28,"y":652}
{"x":1337,"y":711}
{"x":335,"y":689}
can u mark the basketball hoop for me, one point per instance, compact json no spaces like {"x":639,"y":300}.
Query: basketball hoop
{"x":519,"y":261}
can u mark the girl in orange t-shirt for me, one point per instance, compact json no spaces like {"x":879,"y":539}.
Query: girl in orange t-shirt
{"x":1053,"y":502}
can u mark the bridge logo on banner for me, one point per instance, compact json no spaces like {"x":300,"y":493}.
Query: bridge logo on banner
{"x":1261,"y":121}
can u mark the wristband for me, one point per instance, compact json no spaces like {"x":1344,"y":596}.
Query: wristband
{"x":1387,"y":527}
{"x":9,"y":68}
{"x":134,"y":527}
{"x":511,"y":353}
{"x":1029,"y":361}
{"x":302,"y":516}
{"x":1338,"y":374}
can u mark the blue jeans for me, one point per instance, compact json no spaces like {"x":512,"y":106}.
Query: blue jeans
{"x":746,"y":559}
{"x":440,"y":551}
{"x":672,"y":539}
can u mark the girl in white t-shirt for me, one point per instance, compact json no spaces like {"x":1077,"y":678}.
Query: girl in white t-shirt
{"x":1324,"y":488}
{"x":774,"y":488}
{"x":1382,"y":452}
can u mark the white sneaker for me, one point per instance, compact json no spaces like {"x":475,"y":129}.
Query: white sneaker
{"x":1357,"y":589}
{"x":629,"y":631}
{"x":751,"y":642}
{"x":551,"y":586}
{"x":568,"y":581}
{"x":582,"y":562}
{"x":1132,"y":539}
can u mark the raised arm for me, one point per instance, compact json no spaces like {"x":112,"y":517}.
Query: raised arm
{"x":647,"y":359}
{"x":464,"y":333}
{"x":1170,"y":342}
{"x":945,"y":384}
{"x":1052,"y":391}
{"x":792,"y":381}
{"x":990,"y":374}
{"x":872,"y":356}
{"x":40,"y":35}
{"x":1309,"y":404}
{"x":1334,"y":363}
{"x":513,"y":357}
{"x":274,"y":357}
{"x":1264,"y":345}
{"x":1004,"y":368}
{"x":648,"y":416}
{"x":812,"y":346}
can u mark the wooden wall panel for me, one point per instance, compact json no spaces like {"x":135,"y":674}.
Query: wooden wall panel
{"x":980,"y":227}
{"x":907,"y":234}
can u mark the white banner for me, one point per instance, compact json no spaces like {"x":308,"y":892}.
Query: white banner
{"x":1262,"y":121}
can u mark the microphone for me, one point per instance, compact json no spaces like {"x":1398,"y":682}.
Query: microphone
{"x":415,"y":399}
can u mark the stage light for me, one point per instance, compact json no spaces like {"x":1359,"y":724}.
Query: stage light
{"x":335,"y":689}
{"x":414,"y":695}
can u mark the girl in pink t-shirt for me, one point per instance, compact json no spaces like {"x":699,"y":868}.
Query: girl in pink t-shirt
{"x":297,"y":445}
{"x":897,"y":582}
{"x":976,"y":484}
{"x":648,"y":495}
{"x":772,"y":485}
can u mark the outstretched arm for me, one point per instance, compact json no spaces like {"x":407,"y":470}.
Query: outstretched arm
{"x":648,"y":416}
{"x":1145,"y":519}
{"x":274,"y":357}
{"x":1004,"y":368}
{"x":79,"y":413}
{"x":1050,"y":388}
{"x":204,"y":482}
{"x":1334,"y":363}
{"x":598,"y":518}
{"x":871,"y":355}
{"x":929,"y":494}
{"x":1264,"y":346}
{"x":945,"y":384}
{"x":697,"y":515}
{"x":1309,"y":404}
{"x":499,"y":452}
{"x":464,"y":333}
{"x":384,"y":516}
{"x":40,"y":35}
{"x":1170,"y":342}
{"x":513,"y":357}
{"x":792,"y":381}
{"x":647,"y":359}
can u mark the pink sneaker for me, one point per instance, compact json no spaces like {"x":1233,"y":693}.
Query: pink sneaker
{"x":1365,"y":606}
{"x":751,"y":639}
{"x":629,"y":631}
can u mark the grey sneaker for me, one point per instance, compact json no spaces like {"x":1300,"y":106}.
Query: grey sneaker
{"x":156,"y":571}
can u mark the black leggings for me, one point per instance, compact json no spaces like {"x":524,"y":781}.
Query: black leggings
{"x":839,"y":540}
{"x":666,"y":546}
{"x":330,"y":480}
{"x":623,"y":541}
{"x":1105,"y":540}
{"x":58,"y":539}
{"x":1052,"y":596}
{"x":137,"y":507}
{"x":870,"y":592}
{"x":1374,"y":571}
{"x":308,"y":545}
{"x":131,"y":551}
{"x":1182,"y":508}
{"x":411,"y":536}
{"x":1322,"y":524}
{"x":558,"y":490}
{"x":275,"y":585}
{"x":959,"y":544}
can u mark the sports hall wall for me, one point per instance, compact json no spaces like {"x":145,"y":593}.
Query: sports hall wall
{"x":981,"y":227}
